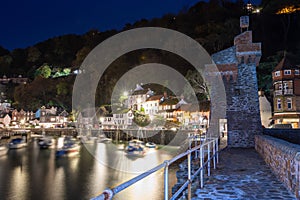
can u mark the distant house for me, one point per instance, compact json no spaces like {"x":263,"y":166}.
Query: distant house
{"x":49,"y":117}
{"x":21,"y":116}
{"x":193,"y":115}
{"x":5,"y":120}
{"x":138,"y":97}
{"x":286,"y":85}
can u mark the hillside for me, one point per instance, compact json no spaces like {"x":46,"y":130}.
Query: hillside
{"x":212,"y":24}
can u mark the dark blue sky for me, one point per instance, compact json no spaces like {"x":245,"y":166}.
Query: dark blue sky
{"x":24,"y":23}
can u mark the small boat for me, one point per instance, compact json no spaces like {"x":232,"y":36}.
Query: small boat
{"x":136,"y":142}
{"x":151,"y":145}
{"x":17,"y":143}
{"x":46,"y":142}
{"x":3,"y":150}
{"x":70,"y":148}
{"x":135,"y":148}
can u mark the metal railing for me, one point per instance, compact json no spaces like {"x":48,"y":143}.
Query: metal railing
{"x":208,"y":149}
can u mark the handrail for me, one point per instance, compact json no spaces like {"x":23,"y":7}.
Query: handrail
{"x":205,"y":147}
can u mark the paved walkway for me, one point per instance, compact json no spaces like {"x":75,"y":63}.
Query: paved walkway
{"x":241,"y":174}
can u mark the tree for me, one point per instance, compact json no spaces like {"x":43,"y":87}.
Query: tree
{"x":44,"y":71}
{"x":199,"y":87}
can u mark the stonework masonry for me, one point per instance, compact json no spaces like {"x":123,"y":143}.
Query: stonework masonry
{"x":283,"y":158}
{"x":238,"y":64}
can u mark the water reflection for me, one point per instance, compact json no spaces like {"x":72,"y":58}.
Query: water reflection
{"x":31,"y":173}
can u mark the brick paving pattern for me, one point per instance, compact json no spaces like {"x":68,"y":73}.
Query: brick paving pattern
{"x":241,"y":174}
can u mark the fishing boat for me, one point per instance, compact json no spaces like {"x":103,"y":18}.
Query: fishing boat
{"x":46,"y":142}
{"x":135,"y":148}
{"x":17,"y":143}
{"x":71,"y":147}
{"x":3,"y":150}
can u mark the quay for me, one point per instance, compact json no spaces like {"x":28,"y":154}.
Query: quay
{"x":241,"y":174}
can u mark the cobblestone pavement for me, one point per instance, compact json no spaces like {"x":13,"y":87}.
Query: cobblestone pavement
{"x":241,"y":174}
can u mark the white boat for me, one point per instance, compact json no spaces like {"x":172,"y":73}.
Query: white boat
{"x":17,"y":143}
{"x":135,"y":148}
{"x":70,"y":148}
{"x":46,"y":142}
{"x":151,"y":145}
{"x":3,"y":150}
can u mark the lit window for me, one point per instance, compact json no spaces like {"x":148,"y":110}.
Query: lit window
{"x":278,"y":104}
{"x":289,"y":103}
{"x":277,"y":73}
{"x":296,"y":71}
{"x":287,"y":72}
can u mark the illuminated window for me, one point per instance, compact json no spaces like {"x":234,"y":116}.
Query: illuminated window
{"x":289,"y":103}
{"x":287,"y":72}
{"x":278,"y":104}
{"x":277,"y":73}
{"x":296,"y":71}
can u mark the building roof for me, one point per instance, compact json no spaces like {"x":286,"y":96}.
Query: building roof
{"x":155,"y":98}
{"x":194,"y":107}
{"x":286,"y":63}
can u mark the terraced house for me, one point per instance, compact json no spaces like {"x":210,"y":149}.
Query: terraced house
{"x":286,"y":85}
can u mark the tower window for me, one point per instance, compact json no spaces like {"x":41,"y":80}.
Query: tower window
{"x":289,"y":103}
{"x":279,"y":104}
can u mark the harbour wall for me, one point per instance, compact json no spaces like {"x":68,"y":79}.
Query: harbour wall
{"x":283,"y":158}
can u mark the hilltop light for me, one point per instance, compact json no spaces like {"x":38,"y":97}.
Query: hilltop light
{"x":287,"y":10}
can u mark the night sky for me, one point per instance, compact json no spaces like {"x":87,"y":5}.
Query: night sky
{"x":24,"y":23}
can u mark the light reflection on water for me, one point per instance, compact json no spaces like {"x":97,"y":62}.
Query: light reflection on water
{"x":32,"y":173}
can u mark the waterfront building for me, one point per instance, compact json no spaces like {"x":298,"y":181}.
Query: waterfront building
{"x":5,"y":120}
{"x":286,"y":98}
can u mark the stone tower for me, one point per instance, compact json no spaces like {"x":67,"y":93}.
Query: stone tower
{"x":237,"y":66}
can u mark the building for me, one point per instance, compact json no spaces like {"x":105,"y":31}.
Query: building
{"x":5,"y":120}
{"x":286,"y":97}
{"x":265,"y":110}
{"x":49,"y":117}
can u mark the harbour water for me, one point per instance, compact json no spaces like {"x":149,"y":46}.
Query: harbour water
{"x":31,"y":173}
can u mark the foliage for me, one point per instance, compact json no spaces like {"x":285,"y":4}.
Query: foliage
{"x":141,"y":119}
{"x":44,"y":71}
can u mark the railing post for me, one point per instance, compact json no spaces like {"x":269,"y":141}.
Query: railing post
{"x":208,"y":159}
{"x":214,"y":153}
{"x":217,"y":149}
{"x":201,"y":167}
{"x":166,"y":180}
{"x":189,"y":166}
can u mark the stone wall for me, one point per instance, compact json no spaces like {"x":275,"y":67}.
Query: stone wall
{"x":283,"y":158}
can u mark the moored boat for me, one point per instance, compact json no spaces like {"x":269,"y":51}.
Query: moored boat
{"x":70,"y":148}
{"x":151,"y":145}
{"x":17,"y":143}
{"x":46,"y":142}
{"x":135,"y":148}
